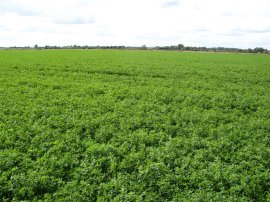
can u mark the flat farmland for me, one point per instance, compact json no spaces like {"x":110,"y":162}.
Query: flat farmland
{"x":129,"y":125}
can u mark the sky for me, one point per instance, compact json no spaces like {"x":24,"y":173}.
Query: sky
{"x":210,"y":23}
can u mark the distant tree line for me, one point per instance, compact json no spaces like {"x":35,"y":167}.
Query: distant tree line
{"x":84,"y":47}
{"x":179,"y":47}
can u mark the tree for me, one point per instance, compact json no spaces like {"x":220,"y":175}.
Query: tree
{"x":258,"y":50}
{"x":180,"y":47}
{"x":143,"y":47}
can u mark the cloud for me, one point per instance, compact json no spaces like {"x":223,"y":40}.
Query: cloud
{"x":169,"y":4}
{"x":265,"y":30}
{"x":74,"y":20}
{"x":202,"y":29}
{"x":3,"y":28}
{"x":231,"y":14}
{"x":258,"y":31}
{"x":18,"y":7}
{"x":241,"y":23}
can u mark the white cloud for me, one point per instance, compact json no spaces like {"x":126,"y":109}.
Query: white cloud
{"x":232,"y":23}
{"x":171,"y":3}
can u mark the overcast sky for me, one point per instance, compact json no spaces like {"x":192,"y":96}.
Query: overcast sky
{"x":229,"y":23}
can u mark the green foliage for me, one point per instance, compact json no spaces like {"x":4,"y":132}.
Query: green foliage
{"x":102,"y":125}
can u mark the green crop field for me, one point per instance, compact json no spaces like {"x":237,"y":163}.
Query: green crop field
{"x":126,"y":125}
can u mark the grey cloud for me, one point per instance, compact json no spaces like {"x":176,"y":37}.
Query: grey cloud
{"x":172,"y":3}
{"x":3,"y":28}
{"x":105,"y":33}
{"x":233,"y":33}
{"x":228,"y":14}
{"x":231,"y":14}
{"x":202,"y":29}
{"x":245,"y":32}
{"x":31,"y":29}
{"x":75,"y":20}
{"x":18,"y":8}
{"x":28,"y":13}
{"x":261,"y":31}
{"x":85,"y":2}
{"x":236,"y":32}
{"x":253,"y":31}
{"x":157,"y":37}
